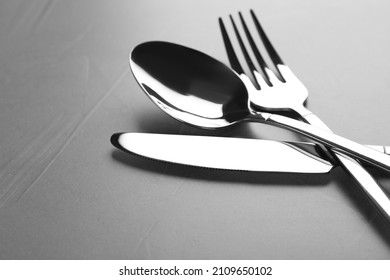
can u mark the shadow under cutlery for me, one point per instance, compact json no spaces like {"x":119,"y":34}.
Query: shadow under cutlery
{"x":161,"y":123}
{"x":258,"y":179}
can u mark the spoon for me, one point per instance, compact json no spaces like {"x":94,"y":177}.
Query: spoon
{"x":199,"y":90}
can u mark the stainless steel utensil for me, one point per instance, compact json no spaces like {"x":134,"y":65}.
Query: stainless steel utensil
{"x":197,"y":89}
{"x":283,"y":91}
{"x":226,"y":153}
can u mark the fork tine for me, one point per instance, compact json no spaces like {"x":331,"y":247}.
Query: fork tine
{"x":233,"y":60}
{"x":256,"y":52}
{"x":275,"y":58}
{"x":244,"y":51}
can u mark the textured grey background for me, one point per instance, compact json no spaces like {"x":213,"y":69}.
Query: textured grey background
{"x":65,"y":87}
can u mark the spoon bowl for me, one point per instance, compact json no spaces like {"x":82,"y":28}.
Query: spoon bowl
{"x":189,"y":85}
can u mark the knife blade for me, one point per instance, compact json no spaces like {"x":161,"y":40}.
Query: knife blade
{"x":239,"y":154}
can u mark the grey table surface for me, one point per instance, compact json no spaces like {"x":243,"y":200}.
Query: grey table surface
{"x":66,"y":86}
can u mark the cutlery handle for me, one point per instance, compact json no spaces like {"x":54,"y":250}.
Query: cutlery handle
{"x":337,"y":143}
{"x":368,"y":184}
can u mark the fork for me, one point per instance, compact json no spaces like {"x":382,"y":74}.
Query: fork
{"x":281,"y":91}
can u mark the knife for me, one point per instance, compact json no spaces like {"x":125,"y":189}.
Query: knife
{"x":226,"y":153}
{"x":239,"y":154}
{"x":229,"y":153}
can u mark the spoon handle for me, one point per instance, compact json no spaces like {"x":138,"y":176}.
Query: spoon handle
{"x":337,"y":143}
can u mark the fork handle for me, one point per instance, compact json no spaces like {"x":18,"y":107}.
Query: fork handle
{"x":368,"y":184}
{"x":337,"y":143}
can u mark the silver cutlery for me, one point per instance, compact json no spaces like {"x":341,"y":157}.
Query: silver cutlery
{"x":199,"y":90}
{"x":228,"y":153}
{"x":283,"y":91}
{"x":225,"y":153}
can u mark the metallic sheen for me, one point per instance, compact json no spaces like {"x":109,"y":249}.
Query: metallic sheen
{"x":195,"y":88}
{"x":225,"y":153}
{"x":283,"y":91}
